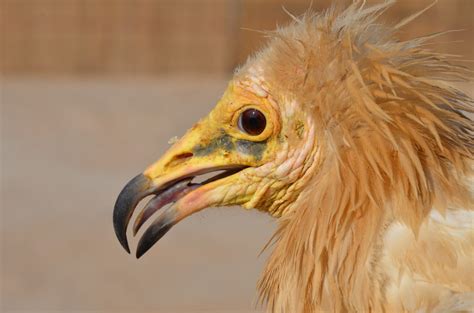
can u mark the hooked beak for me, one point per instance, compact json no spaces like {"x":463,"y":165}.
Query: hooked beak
{"x":136,"y":189}
{"x":170,"y":180}
{"x":166,"y":192}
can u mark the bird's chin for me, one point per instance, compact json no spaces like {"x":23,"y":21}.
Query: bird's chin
{"x":184,"y":196}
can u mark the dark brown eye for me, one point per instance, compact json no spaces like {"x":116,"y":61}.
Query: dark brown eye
{"x":252,"y":121}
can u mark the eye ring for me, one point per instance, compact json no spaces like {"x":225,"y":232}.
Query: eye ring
{"x":252,"y":122}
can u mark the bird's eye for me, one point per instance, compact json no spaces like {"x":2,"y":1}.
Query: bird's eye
{"x":252,"y":122}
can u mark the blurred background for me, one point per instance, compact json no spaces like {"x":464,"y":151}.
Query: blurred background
{"x":91,"y":91}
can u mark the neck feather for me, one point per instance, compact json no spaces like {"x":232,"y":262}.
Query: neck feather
{"x":328,"y":241}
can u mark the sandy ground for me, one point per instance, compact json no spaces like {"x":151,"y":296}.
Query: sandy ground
{"x":68,"y":147}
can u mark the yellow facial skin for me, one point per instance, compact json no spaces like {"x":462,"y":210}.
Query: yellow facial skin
{"x":264,"y":171}
{"x":216,"y":142}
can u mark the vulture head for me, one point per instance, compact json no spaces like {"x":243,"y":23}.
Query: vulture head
{"x":337,"y":129}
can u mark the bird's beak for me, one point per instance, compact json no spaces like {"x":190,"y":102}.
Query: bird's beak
{"x":202,"y":150}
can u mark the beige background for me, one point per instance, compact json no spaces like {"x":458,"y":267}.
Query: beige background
{"x":91,"y":91}
{"x":136,"y":37}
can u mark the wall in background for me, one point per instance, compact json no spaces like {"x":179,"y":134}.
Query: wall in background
{"x":151,"y":37}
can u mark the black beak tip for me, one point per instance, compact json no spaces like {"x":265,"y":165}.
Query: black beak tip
{"x":126,"y":202}
{"x":139,"y":253}
{"x":156,"y":231}
{"x":126,"y":247}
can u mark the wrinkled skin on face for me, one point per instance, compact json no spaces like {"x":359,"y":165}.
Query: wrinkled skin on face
{"x":262,"y":171}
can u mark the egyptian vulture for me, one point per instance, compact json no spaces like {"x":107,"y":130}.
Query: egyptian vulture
{"x":356,"y":142}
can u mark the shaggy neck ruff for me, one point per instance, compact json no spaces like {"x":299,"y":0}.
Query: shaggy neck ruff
{"x":392,"y":144}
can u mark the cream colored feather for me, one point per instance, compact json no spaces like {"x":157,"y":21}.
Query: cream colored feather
{"x":384,"y":224}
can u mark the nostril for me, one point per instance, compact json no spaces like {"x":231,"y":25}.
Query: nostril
{"x":180,"y":158}
{"x":185,"y":155}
